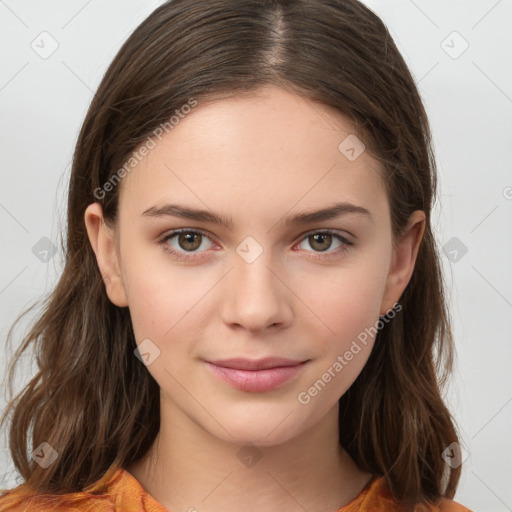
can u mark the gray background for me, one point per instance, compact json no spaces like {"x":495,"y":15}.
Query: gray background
{"x":468,"y":96}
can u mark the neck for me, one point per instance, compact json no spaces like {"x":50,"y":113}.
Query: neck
{"x":187,"y":467}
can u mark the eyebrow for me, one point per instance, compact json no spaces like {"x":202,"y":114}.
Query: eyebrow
{"x":307,"y":217}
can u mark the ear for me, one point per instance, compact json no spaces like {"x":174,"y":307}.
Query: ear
{"x":403,"y":260}
{"x":102,"y":240}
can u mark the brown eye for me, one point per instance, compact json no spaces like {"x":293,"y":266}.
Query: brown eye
{"x":320,"y":241}
{"x":330,"y":243}
{"x":186,"y":244}
{"x":189,"y":241}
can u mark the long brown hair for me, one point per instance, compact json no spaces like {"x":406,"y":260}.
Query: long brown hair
{"x":91,"y":399}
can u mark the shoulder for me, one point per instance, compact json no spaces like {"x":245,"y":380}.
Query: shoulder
{"x":100,"y":497}
{"x":376,"y":497}
{"x":444,"y":505}
{"x":117,"y":491}
{"x":16,"y":500}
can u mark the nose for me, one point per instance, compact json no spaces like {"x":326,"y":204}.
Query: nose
{"x":257,"y":296}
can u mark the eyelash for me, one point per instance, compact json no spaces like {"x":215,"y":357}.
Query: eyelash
{"x":192,"y":256}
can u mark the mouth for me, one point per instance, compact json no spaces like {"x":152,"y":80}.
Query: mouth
{"x":256,"y":375}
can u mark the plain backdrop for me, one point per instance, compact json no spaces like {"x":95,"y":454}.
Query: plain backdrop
{"x":459,"y":53}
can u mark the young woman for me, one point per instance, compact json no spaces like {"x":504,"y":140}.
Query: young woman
{"x":251,"y":314}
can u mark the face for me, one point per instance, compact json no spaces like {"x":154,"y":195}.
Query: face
{"x":270,"y":282}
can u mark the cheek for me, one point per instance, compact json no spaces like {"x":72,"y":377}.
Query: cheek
{"x":159,"y":294}
{"x":346,"y":300}
{"x":348,"y":307}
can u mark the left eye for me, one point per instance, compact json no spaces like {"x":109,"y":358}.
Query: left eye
{"x":321,"y":241}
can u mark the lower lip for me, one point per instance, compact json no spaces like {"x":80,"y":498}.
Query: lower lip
{"x":256,"y":380}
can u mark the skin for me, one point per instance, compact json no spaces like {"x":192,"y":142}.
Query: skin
{"x":255,"y":159}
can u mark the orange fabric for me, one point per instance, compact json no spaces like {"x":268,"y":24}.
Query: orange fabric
{"x":125,"y":494}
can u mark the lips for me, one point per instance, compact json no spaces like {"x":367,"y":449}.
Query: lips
{"x":256,"y":375}
{"x":256,"y":364}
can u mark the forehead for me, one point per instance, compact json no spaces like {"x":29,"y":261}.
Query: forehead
{"x":265,"y":151}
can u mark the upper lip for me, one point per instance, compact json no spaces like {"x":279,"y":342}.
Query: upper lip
{"x":255,"y":364}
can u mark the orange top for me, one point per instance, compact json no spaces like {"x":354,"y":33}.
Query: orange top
{"x":125,"y":494}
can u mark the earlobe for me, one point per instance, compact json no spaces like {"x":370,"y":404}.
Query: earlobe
{"x":102,"y":241}
{"x":403,"y":261}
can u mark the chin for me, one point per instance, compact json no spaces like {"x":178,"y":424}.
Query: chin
{"x":258,"y":428}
